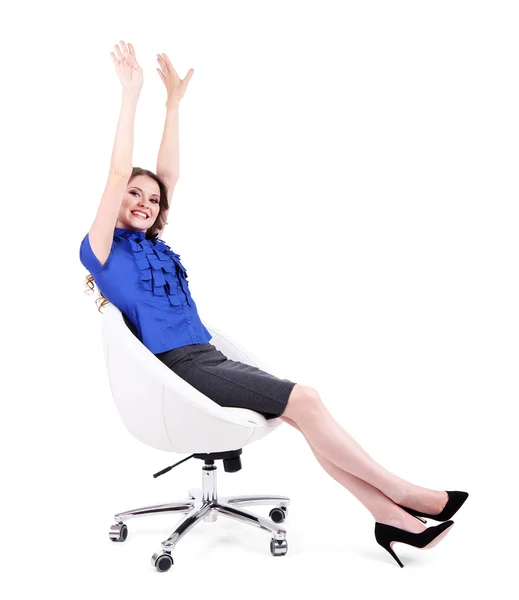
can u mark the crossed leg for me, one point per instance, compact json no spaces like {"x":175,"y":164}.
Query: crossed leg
{"x":349,"y":464}
{"x":383,"y":509}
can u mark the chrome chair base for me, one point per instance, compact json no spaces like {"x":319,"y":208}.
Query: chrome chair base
{"x":203,"y":503}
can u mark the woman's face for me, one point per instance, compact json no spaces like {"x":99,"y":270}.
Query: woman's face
{"x":142,"y":196}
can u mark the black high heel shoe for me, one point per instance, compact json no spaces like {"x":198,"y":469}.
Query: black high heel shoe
{"x":386,"y":535}
{"x":456,"y":499}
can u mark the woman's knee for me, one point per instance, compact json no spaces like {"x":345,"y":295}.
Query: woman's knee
{"x":303,"y":400}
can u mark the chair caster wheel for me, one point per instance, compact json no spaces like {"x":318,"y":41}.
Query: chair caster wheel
{"x":278,"y":514}
{"x":118,"y":532}
{"x":278,"y":547}
{"x":162,"y":561}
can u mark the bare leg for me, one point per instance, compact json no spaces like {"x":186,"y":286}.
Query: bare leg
{"x":332,"y":442}
{"x":383,"y":509}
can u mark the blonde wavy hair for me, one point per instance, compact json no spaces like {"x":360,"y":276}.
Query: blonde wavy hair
{"x":160,"y":221}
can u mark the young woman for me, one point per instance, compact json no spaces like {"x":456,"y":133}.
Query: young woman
{"x":136,"y":271}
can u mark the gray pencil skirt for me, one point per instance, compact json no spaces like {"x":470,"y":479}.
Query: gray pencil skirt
{"x":228,"y":382}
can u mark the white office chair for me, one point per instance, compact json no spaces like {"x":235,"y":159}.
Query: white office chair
{"x":162,"y":410}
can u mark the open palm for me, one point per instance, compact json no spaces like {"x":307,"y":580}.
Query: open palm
{"x":127,"y":68}
{"x":175,"y":86}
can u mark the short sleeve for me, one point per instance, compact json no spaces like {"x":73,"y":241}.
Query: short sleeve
{"x":88,"y":259}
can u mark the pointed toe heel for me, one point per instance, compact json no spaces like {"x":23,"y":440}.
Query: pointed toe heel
{"x":454,"y":503}
{"x":387,"y":535}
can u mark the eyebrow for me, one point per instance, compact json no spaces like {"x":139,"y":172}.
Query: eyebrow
{"x":138,"y":188}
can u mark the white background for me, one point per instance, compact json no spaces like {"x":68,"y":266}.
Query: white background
{"x":346,"y":209}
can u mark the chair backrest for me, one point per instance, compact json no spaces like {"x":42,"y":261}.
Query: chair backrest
{"x":161,"y":409}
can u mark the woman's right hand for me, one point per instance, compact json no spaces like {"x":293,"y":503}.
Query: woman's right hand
{"x":127,"y":68}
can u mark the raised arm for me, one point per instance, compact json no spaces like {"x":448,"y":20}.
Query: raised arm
{"x":168,"y":158}
{"x":131,"y":78}
{"x":102,"y":229}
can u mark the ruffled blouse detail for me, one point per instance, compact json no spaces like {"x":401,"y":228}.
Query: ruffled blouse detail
{"x":160,"y":268}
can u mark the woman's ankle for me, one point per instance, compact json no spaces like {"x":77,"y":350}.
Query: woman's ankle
{"x":425,"y":500}
{"x":402,"y":521}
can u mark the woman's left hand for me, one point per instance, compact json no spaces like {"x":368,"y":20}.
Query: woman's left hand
{"x":175,"y":86}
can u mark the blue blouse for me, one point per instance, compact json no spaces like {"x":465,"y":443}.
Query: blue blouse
{"x":145,"y":279}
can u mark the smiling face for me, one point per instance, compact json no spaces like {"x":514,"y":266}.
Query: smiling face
{"x":142,"y":196}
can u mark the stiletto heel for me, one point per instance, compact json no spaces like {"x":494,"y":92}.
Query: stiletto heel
{"x":386,"y":535}
{"x":456,"y":499}
{"x":420,"y":519}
